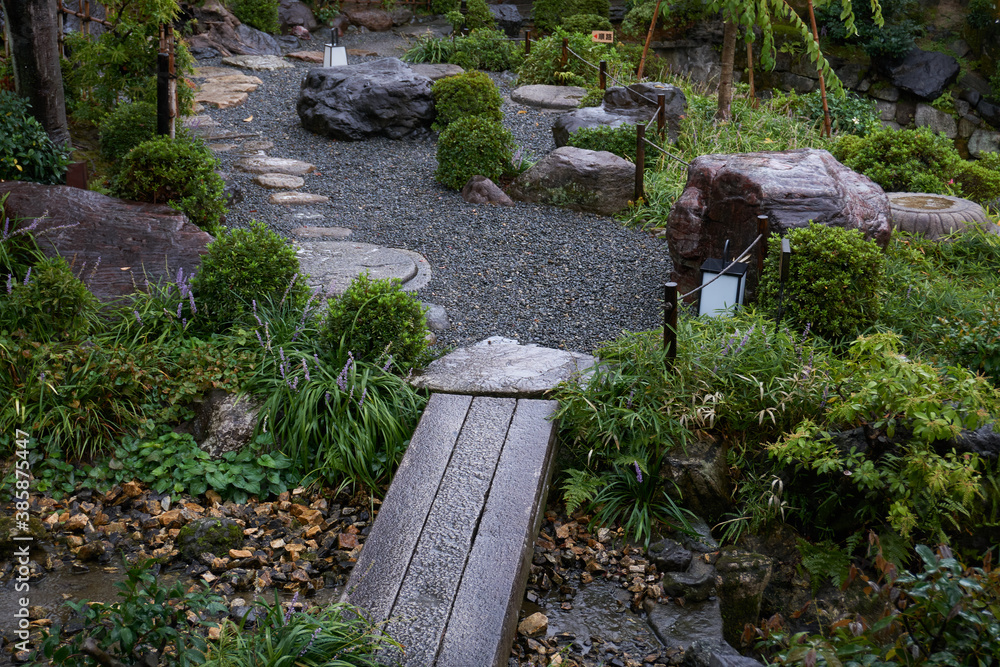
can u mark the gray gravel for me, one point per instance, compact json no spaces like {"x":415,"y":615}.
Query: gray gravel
{"x":535,"y":273}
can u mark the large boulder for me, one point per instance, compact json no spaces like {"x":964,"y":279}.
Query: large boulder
{"x":635,"y":104}
{"x":924,"y":73}
{"x":378,"y":98}
{"x":508,"y":19}
{"x":295,"y":13}
{"x":111,"y":242}
{"x":725,"y":194}
{"x":215,"y":28}
{"x":578,"y":179}
{"x":376,"y":20}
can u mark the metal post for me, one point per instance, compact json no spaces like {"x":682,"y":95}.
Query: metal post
{"x":784,"y":262}
{"x":762,"y":225}
{"x":527,"y":42}
{"x":163,"y":94}
{"x":661,"y":113}
{"x":640,"y":161}
{"x":669,"y":325}
{"x":565,"y":52}
{"x":604,"y":75}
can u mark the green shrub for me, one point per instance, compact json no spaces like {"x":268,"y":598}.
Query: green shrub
{"x":619,"y":140}
{"x":833,"y":280}
{"x":544,"y":64}
{"x":593,"y":98}
{"x":26,"y":152}
{"x":465,"y":95}
{"x":260,"y":14}
{"x":50,"y":303}
{"x":901,"y":160}
{"x":977,"y":181}
{"x":179,"y":172}
{"x":126,"y":127}
{"x":893,"y":39}
{"x":375,"y":318}
{"x":147,"y":620}
{"x":488,"y":50}
{"x":478,"y":16}
{"x":430,"y":50}
{"x":849,"y":113}
{"x":547,"y":15}
{"x":244,"y":265}
{"x":472,"y":146}
{"x":673,"y":15}
{"x":18,"y":250}
{"x":586,"y":23}
{"x":444,"y":6}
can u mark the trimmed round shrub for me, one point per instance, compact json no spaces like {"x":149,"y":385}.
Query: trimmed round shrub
{"x":832,"y":281}
{"x":376,"y":318}
{"x":179,"y":172}
{"x":51,"y":302}
{"x":471,"y":146}
{"x":586,"y":23}
{"x":126,"y":127}
{"x":260,"y":14}
{"x":26,"y":152}
{"x":243,"y":265}
{"x":465,"y":95}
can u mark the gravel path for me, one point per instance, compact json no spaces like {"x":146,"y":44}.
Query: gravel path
{"x":535,"y":273}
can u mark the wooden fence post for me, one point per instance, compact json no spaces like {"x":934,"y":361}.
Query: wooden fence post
{"x":661,"y":114}
{"x":669,"y":325}
{"x":603,"y":75}
{"x":640,"y":161}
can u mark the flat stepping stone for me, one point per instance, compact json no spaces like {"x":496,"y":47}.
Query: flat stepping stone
{"x":934,"y":215}
{"x":448,"y":557}
{"x":221,"y":98}
{"x":297,"y":198}
{"x":436,"y":71}
{"x":321,"y":233}
{"x":221,"y":148}
{"x":501,"y":367}
{"x":361,"y":53}
{"x":279,"y":181}
{"x":256,"y":146}
{"x":334,"y":264}
{"x":549,"y":97}
{"x":306,"y":56}
{"x":262,"y":164}
{"x":209,"y":72}
{"x":260,"y":63}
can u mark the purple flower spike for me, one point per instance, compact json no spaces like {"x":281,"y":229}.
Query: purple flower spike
{"x":137,"y":318}
{"x":27,"y":276}
{"x":10,"y":283}
{"x":305,"y":367}
{"x":638,"y":471}
{"x":364,"y":392}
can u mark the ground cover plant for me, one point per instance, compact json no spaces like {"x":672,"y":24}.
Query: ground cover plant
{"x":482,"y":49}
{"x":26,"y":152}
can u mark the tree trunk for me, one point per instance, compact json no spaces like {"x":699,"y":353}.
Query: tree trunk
{"x":32,"y":31}
{"x":726,"y":75}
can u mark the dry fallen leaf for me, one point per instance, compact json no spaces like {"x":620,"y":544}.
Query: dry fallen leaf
{"x":247,"y":120}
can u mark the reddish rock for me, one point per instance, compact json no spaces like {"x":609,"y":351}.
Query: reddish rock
{"x":347,"y":541}
{"x":76,"y":522}
{"x":725,"y":194}
{"x":375,"y":20}
{"x":109,"y":241}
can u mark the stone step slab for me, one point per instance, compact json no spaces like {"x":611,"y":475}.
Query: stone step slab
{"x":320,"y":233}
{"x":306,"y":56}
{"x":445,"y":564}
{"x":332,"y":265}
{"x":549,"y":97}
{"x":262,"y":164}
{"x":279,"y":181}
{"x":297,"y":198}
{"x":260,"y":63}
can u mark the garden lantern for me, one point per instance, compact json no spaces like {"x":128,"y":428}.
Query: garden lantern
{"x":333,"y":55}
{"x":723,"y":285}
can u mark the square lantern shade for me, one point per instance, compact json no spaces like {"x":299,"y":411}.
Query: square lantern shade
{"x":334,"y":56}
{"x":725,"y":293}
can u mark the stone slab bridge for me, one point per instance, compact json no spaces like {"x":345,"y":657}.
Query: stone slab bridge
{"x":446,"y":564}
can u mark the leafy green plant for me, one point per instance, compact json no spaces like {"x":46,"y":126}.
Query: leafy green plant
{"x":26,"y":152}
{"x":619,"y":140}
{"x":443,"y":6}
{"x":832,"y":281}
{"x":544,"y":64}
{"x":849,"y":113}
{"x":593,"y":98}
{"x":824,"y":562}
{"x":946,"y":614}
{"x":548,"y":15}
{"x":179,"y":172}
{"x":336,"y":634}
{"x":260,"y":14}
{"x":120,"y":65}
{"x":891,"y":38}
{"x":586,"y":23}
{"x":49,"y":303}
{"x":973,"y":342}
{"x":486,"y":49}
{"x":463,"y":95}
{"x":979,"y":180}
{"x":149,"y":622}
{"x":18,"y":250}
{"x":471,"y":146}
{"x":376,"y":318}
{"x":126,"y":127}
{"x":429,"y":49}
{"x":243,"y":265}
{"x":674,"y":16}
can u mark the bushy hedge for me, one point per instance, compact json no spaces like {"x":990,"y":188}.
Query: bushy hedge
{"x":126,"y":127}
{"x":472,"y":146}
{"x":465,"y":95}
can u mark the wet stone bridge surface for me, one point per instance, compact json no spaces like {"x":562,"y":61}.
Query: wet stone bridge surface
{"x":445,"y":566}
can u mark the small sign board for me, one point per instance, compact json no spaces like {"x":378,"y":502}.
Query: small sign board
{"x":603,"y":36}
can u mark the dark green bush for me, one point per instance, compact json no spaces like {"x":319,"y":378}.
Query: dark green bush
{"x":478,"y":16}
{"x":832,"y":280}
{"x":893,"y":39}
{"x":901,"y":160}
{"x":619,"y":140}
{"x":471,"y":146}
{"x":549,"y":14}
{"x":465,"y":95}
{"x":488,"y":50}
{"x":376,"y":318}
{"x":50,"y":303}
{"x":544,"y":64}
{"x":26,"y":152}
{"x":444,"y":6}
{"x":673,"y":15}
{"x":260,"y":14}
{"x":179,"y":172}
{"x":126,"y":127}
{"x":586,"y":23}
{"x":849,"y":113}
{"x":243,"y":265}
{"x":977,"y":181}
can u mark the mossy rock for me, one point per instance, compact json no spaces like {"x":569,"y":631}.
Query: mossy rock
{"x":208,"y":535}
{"x":742,"y":578}
{"x":8,"y":544}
